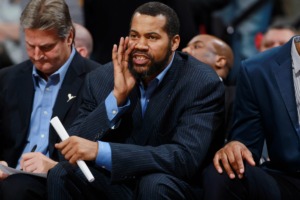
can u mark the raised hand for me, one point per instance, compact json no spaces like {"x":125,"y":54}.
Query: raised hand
{"x":123,"y":79}
{"x":231,"y":156}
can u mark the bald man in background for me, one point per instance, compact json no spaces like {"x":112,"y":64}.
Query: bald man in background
{"x":83,"y":40}
{"x":219,"y":55}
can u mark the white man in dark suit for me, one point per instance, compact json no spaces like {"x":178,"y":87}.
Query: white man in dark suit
{"x":48,"y":84}
{"x":147,"y":128}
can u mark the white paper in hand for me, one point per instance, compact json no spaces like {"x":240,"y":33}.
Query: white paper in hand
{"x":61,"y":131}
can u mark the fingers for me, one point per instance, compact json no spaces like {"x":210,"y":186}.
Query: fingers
{"x":231,"y":157}
{"x":28,"y":165}
{"x":216,"y":162}
{"x":3,"y":175}
{"x":74,"y":148}
{"x":237,"y":163}
{"x":3,"y":163}
{"x":114,"y":54}
{"x":118,"y":52}
{"x":121,"y":50}
{"x":247,"y":155}
{"x":65,"y":147}
{"x":223,"y":158}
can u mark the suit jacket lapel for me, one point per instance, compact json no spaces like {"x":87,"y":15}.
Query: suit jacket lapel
{"x":26,"y":94}
{"x":70,"y":86}
{"x":284,"y":78}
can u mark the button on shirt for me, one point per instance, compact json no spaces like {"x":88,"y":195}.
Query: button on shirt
{"x":103,"y":158}
{"x":44,"y":100}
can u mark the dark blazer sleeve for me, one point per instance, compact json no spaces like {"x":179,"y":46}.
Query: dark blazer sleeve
{"x":247,"y":127}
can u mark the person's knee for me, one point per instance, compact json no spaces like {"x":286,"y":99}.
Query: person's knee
{"x":212,"y":178}
{"x":215,"y":185}
{"x":159,"y":186}
{"x":21,"y":186}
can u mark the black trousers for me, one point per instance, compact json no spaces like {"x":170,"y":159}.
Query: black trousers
{"x":23,"y":187}
{"x":67,"y":182}
{"x":257,"y":184}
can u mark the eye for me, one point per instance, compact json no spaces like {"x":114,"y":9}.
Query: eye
{"x":152,"y":37}
{"x":47,"y":47}
{"x":198,"y":46}
{"x":133,"y":36}
{"x":29,"y":46}
{"x":269,"y":44}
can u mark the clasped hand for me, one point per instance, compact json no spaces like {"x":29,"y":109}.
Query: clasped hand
{"x":75,"y":148}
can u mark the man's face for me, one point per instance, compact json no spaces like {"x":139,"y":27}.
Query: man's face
{"x":153,"y":48}
{"x":201,"y":48}
{"x":46,"y":50}
{"x":275,"y":38}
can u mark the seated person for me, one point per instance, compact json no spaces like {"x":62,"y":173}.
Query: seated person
{"x":144,"y":127}
{"x":266,"y":108}
{"x":48,"y":84}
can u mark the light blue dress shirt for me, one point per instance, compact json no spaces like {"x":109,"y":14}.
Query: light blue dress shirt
{"x":103,"y":158}
{"x":43,"y":103}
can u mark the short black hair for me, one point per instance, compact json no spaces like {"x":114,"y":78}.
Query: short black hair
{"x":156,"y":8}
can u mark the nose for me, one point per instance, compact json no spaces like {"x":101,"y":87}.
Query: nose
{"x":187,"y":50}
{"x":142,"y":44}
{"x":38,"y":54}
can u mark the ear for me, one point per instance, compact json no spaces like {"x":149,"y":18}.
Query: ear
{"x":220,"y":61}
{"x":71,"y":37}
{"x":82,"y":51}
{"x":175,"y":42}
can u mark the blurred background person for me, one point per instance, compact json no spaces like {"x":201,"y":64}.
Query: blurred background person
{"x":212,"y":51}
{"x":10,"y":51}
{"x":277,"y":34}
{"x":83,"y":40}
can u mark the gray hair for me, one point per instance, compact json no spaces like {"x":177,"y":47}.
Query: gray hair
{"x":47,"y":15}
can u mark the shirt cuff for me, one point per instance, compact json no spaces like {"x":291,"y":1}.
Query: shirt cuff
{"x":113,"y":111}
{"x":103,"y":158}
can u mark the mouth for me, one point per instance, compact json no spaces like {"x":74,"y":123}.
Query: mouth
{"x":140,"y":59}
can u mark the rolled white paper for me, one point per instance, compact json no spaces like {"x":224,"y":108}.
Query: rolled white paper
{"x":61,"y":131}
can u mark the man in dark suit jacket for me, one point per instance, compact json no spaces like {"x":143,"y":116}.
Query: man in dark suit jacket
{"x":266,"y":107}
{"x":156,"y":124}
{"x":49,"y":84}
{"x":217,"y":54}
